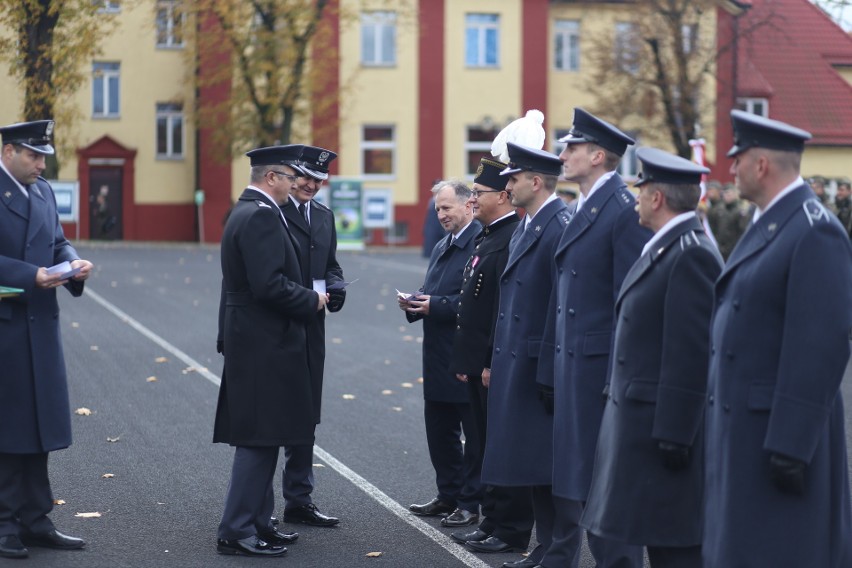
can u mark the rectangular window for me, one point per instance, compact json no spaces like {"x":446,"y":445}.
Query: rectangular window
{"x":378,"y":39}
{"x":628,"y":168}
{"x":478,"y":146}
{"x":482,"y":40}
{"x":169,"y":24}
{"x":690,"y":37}
{"x":566,"y":36}
{"x":378,"y":151}
{"x":108,"y":6}
{"x":105,"y":89}
{"x":169,"y":130}
{"x":627,"y":47}
{"x":758,"y":106}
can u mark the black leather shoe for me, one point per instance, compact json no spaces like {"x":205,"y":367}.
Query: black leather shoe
{"x":309,"y":515}
{"x":434,"y":508}
{"x":250,"y":546}
{"x":522,"y":563}
{"x":492,"y":544}
{"x":463,"y":536}
{"x":53,"y":539}
{"x":278,"y":538}
{"x":460,"y":518}
{"x":12,"y":547}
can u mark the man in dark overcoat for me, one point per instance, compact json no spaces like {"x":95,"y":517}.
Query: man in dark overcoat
{"x":648,"y":474}
{"x":776,"y":483}
{"x":519,"y":445}
{"x":446,"y":407}
{"x":595,"y":252}
{"x":312,"y":225}
{"x":507,"y":511}
{"x":35,"y":417}
{"x":262,"y":319}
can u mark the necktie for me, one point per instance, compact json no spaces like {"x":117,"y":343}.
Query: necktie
{"x":303,"y":209}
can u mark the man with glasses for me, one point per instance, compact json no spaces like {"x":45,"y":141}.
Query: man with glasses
{"x":312,"y":225}
{"x":507,"y":511}
{"x":265,"y":398}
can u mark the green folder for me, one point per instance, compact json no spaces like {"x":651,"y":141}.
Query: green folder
{"x":6,"y":292}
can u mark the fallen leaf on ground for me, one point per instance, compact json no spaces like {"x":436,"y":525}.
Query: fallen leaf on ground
{"x":402,"y":329}
{"x":161,"y":359}
{"x":59,"y":501}
{"x":88,"y":515}
{"x":408,"y":338}
{"x":420,"y":380}
{"x":380,"y":307}
{"x":75,"y":324}
{"x":108,"y":475}
{"x":318,"y":465}
{"x":387,"y":391}
{"x":373,"y":554}
{"x":151,"y":379}
{"x":419,"y":340}
{"x":93,"y":348}
{"x":348,"y":397}
{"x":116,"y":439}
{"x":336,"y":340}
{"x":407,"y":386}
{"x":387,"y":362}
{"x":397,"y":408}
{"x":83,"y":411}
{"x":188,"y":370}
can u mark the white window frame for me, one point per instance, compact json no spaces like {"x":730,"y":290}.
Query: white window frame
{"x":109,"y":6}
{"x":170,"y":115}
{"x":748,"y":104}
{"x":569,"y":32}
{"x":105,"y":75}
{"x":483,"y":147}
{"x":378,"y":145}
{"x":626,"y":47}
{"x":481,"y":29}
{"x":381,"y":22}
{"x":170,"y":7}
{"x":628,"y":166}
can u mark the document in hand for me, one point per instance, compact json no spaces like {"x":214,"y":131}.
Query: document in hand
{"x":63,"y":268}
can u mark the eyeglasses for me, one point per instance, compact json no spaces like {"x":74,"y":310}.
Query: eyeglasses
{"x":477,"y":192}
{"x":290,"y":178}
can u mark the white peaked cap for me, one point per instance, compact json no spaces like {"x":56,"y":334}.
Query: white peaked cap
{"x":526,"y":131}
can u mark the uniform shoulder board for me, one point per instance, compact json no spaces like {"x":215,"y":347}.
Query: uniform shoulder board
{"x":815,"y":211}
{"x":563,"y":217}
{"x":625,"y":198}
{"x":319,"y":205}
{"x":262,"y":204}
{"x":689,"y":239}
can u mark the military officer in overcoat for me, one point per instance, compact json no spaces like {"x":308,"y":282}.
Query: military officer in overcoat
{"x":507,"y":511}
{"x":595,"y":252}
{"x":263,"y":315}
{"x":312,"y":225}
{"x":519,"y":444}
{"x":648,"y":474}
{"x":446,"y":407}
{"x":35,"y":417}
{"x":776,"y":484}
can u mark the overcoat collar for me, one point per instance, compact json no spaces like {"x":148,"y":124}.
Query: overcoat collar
{"x":524,"y":239}
{"x":644,"y":263}
{"x":767,"y":227}
{"x":589,"y":213}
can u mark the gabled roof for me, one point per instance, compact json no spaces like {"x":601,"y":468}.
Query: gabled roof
{"x":789,"y":61}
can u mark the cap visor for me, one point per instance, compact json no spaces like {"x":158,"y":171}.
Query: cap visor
{"x":572,"y":140}
{"x":734,"y":151}
{"x":509,"y":171}
{"x":313,"y":173}
{"x":43,"y":149}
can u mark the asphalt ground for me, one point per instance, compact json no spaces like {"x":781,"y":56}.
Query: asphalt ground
{"x":140,"y":351}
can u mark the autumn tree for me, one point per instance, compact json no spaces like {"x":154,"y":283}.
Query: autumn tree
{"x":653,"y":71}
{"x":268,"y":44}
{"x":46,"y":46}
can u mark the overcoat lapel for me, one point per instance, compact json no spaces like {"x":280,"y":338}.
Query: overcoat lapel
{"x":38,"y":211}
{"x":12,"y":197}
{"x":588,"y":214}
{"x":529,"y":236}
{"x":761,"y":233}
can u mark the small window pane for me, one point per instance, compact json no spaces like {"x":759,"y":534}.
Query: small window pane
{"x":373,"y":133}
{"x":378,"y":161}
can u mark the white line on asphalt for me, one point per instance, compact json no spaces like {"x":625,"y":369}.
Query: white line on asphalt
{"x":377,"y":494}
